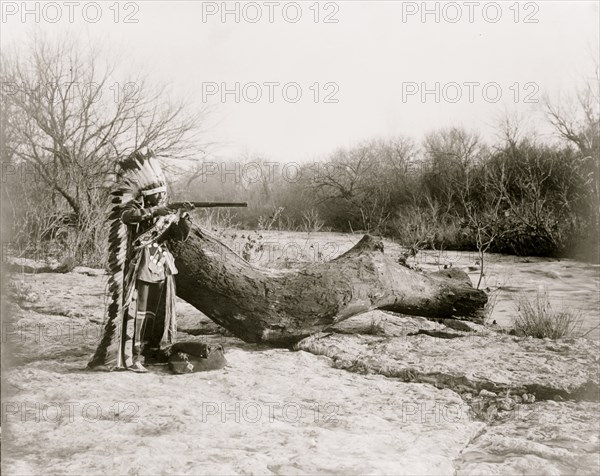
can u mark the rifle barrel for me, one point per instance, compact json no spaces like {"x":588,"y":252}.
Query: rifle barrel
{"x":209,"y":204}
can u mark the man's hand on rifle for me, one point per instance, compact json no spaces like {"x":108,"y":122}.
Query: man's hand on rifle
{"x":187,"y":207}
{"x":160,"y":211}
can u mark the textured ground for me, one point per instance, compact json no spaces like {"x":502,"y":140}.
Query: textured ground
{"x":380,"y":394}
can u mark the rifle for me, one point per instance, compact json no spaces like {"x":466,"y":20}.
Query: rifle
{"x":164,"y":222}
{"x":176,"y":205}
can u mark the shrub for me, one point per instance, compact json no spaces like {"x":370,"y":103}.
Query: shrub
{"x":537,"y":318}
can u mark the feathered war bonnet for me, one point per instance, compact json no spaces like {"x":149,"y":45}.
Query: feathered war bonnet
{"x":139,"y":175}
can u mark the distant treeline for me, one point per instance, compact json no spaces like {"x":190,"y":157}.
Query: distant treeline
{"x":454,"y":192}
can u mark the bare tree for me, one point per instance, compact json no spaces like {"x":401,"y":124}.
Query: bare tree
{"x":485,"y":216}
{"x":65,"y":115}
{"x":367,"y":179}
{"x":449,"y":155}
{"x":577,"y":119}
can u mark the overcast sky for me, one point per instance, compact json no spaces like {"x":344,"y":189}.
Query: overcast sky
{"x":371,"y":65}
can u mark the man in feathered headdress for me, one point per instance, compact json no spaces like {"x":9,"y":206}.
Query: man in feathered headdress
{"x":141,"y":314}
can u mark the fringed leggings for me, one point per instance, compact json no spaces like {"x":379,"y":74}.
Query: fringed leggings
{"x":145,"y":322}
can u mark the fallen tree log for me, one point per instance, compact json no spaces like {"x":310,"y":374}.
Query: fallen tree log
{"x":282,"y":307}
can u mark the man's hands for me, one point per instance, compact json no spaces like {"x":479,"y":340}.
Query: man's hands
{"x":160,"y":211}
{"x":187,"y":207}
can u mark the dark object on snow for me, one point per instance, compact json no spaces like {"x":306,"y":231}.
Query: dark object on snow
{"x":188,"y":357}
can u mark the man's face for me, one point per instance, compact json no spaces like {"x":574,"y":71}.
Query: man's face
{"x":155,"y":199}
